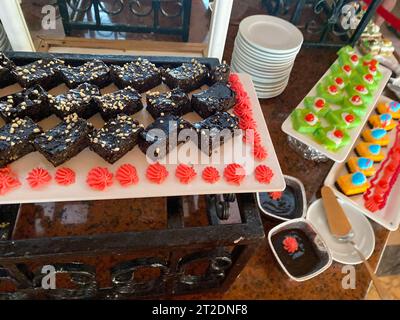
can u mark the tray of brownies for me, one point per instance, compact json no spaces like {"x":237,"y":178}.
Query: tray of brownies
{"x":87,"y":127}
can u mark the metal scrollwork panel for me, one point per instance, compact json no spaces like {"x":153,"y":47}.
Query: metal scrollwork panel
{"x":81,"y":275}
{"x":125,"y":282}
{"x":219,"y":260}
{"x":78,"y":5}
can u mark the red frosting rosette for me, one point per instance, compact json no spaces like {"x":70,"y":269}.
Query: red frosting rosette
{"x":247,"y":123}
{"x":38,"y":177}
{"x":157,"y":173}
{"x":65,"y":176}
{"x":259,"y":152}
{"x":127,"y":175}
{"x":290,"y":244}
{"x":251,"y":136}
{"x":263,"y":174}
{"x":234,"y":173}
{"x":8,"y":180}
{"x":185,"y":173}
{"x":99,"y":178}
{"x":210,"y":175}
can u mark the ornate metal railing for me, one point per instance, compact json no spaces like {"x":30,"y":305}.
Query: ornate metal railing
{"x":324,"y":22}
{"x":98,"y":15}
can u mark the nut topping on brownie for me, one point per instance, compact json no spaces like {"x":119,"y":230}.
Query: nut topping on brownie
{"x":77,"y":101}
{"x":126,"y":101}
{"x":188,"y":77}
{"x":174,"y":102}
{"x":16,"y":139}
{"x":140,"y":74}
{"x":32,"y":103}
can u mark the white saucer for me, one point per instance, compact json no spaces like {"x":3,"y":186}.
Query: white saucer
{"x":364,"y":236}
{"x":271,"y":33}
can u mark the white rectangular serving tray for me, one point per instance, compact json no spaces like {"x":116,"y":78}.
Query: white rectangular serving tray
{"x":389,"y":216}
{"x":341,"y":154}
{"x":87,"y":160}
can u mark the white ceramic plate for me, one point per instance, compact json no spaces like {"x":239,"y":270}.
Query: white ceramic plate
{"x":261,"y":77}
{"x":248,"y":47}
{"x":341,"y":154}
{"x":389,"y":216}
{"x":271,"y":33}
{"x":263,"y":72}
{"x":87,"y":159}
{"x":364,"y":236}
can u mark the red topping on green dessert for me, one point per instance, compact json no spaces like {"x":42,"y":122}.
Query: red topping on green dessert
{"x":354,"y":58}
{"x":333,"y":88}
{"x":290,"y":244}
{"x":356,"y":98}
{"x":346,"y":68}
{"x":38,"y":177}
{"x":99,"y":178}
{"x":372,"y":68}
{"x":339,"y":81}
{"x":185,"y":173}
{"x":338,"y":134}
{"x":349,"y":118}
{"x":360,"y":88}
{"x":309,"y":117}
{"x":320,"y":103}
{"x":369,"y":77}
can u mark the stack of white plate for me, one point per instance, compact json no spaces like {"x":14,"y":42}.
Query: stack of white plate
{"x":265,"y":48}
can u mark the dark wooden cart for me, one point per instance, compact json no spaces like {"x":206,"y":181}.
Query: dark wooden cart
{"x":179,"y":258}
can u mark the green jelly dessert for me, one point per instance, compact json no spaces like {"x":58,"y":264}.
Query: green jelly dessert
{"x":343,"y":119}
{"x":305,"y":121}
{"x":317,"y":105}
{"x":342,"y":70}
{"x":330,"y":92}
{"x":368,"y":80}
{"x":348,"y":56}
{"x":332,"y":138}
{"x":354,"y":89}
{"x":339,"y":80}
{"x":370,"y":66}
{"x":356,"y":104}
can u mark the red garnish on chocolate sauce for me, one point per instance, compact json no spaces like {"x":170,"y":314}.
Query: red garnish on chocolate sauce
{"x":276,"y":195}
{"x":38,"y":177}
{"x":99,"y":178}
{"x":290,"y":244}
{"x":210,"y":174}
{"x":127,"y":175}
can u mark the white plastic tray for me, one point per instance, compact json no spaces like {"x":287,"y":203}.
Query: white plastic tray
{"x":87,"y":159}
{"x":341,"y":154}
{"x":389,"y":216}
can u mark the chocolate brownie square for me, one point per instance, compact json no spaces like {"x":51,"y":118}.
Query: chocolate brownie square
{"x":44,"y":72}
{"x":16,"y":139}
{"x":174,"y":102}
{"x":219,"y":73}
{"x":78,"y":100}
{"x":95,"y":72}
{"x":215,"y":130}
{"x":126,"y":101}
{"x":140,"y":74}
{"x":217,"y":98}
{"x":188,"y":77}
{"x":65,"y":140}
{"x":7,"y":76}
{"x":116,"y":138}
{"x":162,"y":136}
{"x":32,"y":102}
